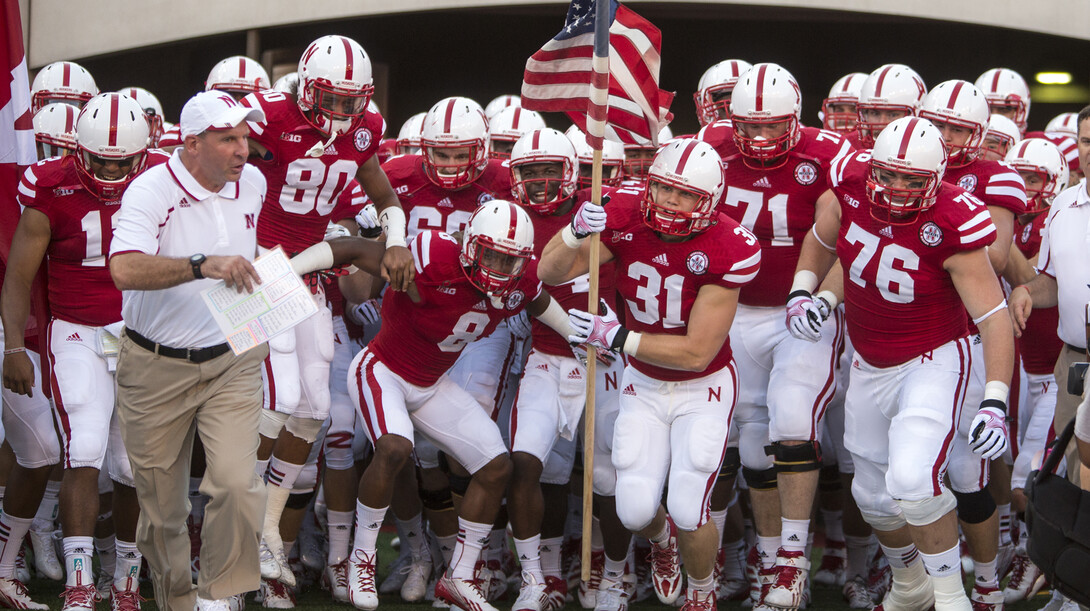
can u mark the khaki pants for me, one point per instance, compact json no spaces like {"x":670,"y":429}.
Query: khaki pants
{"x":1066,"y":406}
{"x":162,"y":402}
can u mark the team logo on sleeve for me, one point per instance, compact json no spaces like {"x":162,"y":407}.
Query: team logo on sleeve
{"x":483,"y":198}
{"x":806,"y":173}
{"x":1027,"y":233}
{"x":514,"y":299}
{"x":697,"y":262}
{"x":363,"y":139}
{"x":930,"y":234}
{"x":968,"y":182}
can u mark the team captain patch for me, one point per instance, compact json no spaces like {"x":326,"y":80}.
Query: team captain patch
{"x":697,"y":262}
{"x":363,"y":139}
{"x":515,"y":299}
{"x":930,"y":234}
{"x":806,"y":173}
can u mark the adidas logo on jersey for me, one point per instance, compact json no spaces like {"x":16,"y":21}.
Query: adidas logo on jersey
{"x":74,"y":338}
{"x":763,"y":183}
{"x":661,"y":259}
{"x":628,"y":390}
{"x":445,"y":203}
{"x":330,"y":150}
{"x":886,"y":231}
{"x":543,"y":366}
{"x":481,"y":306}
{"x":574,"y":375}
{"x":184,"y":203}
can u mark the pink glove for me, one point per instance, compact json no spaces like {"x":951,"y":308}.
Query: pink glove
{"x":988,"y":432}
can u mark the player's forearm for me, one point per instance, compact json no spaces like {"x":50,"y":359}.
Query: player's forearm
{"x":815,"y":258}
{"x":999,"y":251}
{"x":680,"y":352}
{"x":557,"y":264}
{"x":137,"y":271}
{"x":14,"y":309}
{"x":1042,"y":289}
{"x":998,"y":336}
{"x":1018,"y":270}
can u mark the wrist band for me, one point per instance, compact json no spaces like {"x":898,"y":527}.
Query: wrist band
{"x":829,"y":298}
{"x":632,"y":343}
{"x":393,"y":224}
{"x":570,"y":240}
{"x":996,"y":390}
{"x":8,"y":351}
{"x":805,"y":280}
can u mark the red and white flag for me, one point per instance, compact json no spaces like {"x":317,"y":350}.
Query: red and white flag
{"x":562,"y":76}
{"x":16,"y":129}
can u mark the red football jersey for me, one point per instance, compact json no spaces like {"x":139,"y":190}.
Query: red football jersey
{"x":721,"y":136}
{"x":428,"y":206}
{"x":659,"y":280}
{"x":573,"y":293}
{"x":303,"y":191}
{"x":899,"y":301}
{"x":992,"y":182}
{"x":81,"y":225}
{"x":171,"y":137}
{"x":1039,"y":345}
{"x":421,"y":341}
{"x":778,"y":206}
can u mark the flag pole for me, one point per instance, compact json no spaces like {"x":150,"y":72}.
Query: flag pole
{"x":596,"y":119}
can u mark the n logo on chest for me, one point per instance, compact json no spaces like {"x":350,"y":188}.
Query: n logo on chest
{"x":250,"y":222}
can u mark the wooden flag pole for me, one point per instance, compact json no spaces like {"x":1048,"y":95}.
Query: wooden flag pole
{"x":592,"y":362}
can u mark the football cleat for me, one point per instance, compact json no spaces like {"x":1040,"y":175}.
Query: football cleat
{"x":856,"y":593}
{"x":666,"y":567}
{"x":335,"y":579}
{"x":588,"y":590}
{"x":732,"y":589}
{"x":124,"y":600}
{"x":79,"y":598}
{"x":556,"y":592}
{"x":614,"y":597}
{"x":697,"y":601}
{"x":466,"y":594}
{"x":834,"y":563}
{"x":361,"y":581}
{"x":395,"y":575}
{"x":417,"y":573}
{"x":1026,"y":579}
{"x":496,"y":584}
{"x":13,"y":595}
{"x":45,"y":555}
{"x":532,"y":595}
{"x":986,"y":599}
{"x":22,"y":571}
{"x":276,"y":595}
{"x":789,"y":584}
{"x":569,"y":560}
{"x":270,"y":568}
{"x":880,"y":577}
{"x":1003,"y":559}
{"x":908,"y":597}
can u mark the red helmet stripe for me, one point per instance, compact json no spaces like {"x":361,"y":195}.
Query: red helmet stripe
{"x":734,"y":69}
{"x":69,"y":118}
{"x":349,"y":59}
{"x":995,"y":80}
{"x":115,"y":102}
{"x":513,"y":224}
{"x":448,"y":116}
{"x":689,"y":150}
{"x":881,"y":81}
{"x":760,"y":87}
{"x":954,"y":94}
{"x":906,"y":138}
{"x":1022,"y":148}
{"x":537,"y":139}
{"x":66,"y":73}
{"x":518,"y":116}
{"x":241,"y":67}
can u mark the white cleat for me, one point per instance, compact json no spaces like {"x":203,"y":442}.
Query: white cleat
{"x":124,"y":600}
{"x":1026,"y":579}
{"x":532,"y":595}
{"x":666,"y":568}
{"x":270,"y":568}
{"x":13,"y":595}
{"x":395,"y":575}
{"x":361,"y":581}
{"x":466,"y":594}
{"x":335,"y":579}
{"x":613,"y":597}
{"x":417,"y":574}
{"x":45,"y":555}
{"x":79,"y":598}
{"x":857,"y":594}
{"x":231,"y":603}
{"x":789,"y":583}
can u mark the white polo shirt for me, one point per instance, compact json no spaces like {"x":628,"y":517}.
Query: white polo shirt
{"x":1065,"y":255}
{"x":166,"y":212}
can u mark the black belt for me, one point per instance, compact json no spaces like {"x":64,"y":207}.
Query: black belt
{"x":193,"y":355}
{"x":1075,"y":348}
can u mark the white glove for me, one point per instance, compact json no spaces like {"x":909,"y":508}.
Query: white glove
{"x":368,"y":217}
{"x":333,"y":230}
{"x":803,"y":316}
{"x":519,"y":324}
{"x":366,"y":313}
{"x":988,"y":432}
{"x":599,"y":331}
{"x":589,"y":219}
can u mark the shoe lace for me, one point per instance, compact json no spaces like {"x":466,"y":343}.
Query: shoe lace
{"x":1018,"y":572}
{"x":613,"y":597}
{"x":80,"y":596}
{"x":787,"y":576}
{"x":365,"y":569}
{"x":699,"y":602}
{"x":127,"y":600}
{"x":20,"y":591}
{"x":664,"y":559}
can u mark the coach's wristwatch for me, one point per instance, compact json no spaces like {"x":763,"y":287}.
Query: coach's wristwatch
{"x":196,"y":261}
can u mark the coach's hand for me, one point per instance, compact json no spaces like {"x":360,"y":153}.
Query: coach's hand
{"x":19,"y":373}
{"x":234,"y":270}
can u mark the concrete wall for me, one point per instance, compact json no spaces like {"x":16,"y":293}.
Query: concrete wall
{"x":67,"y":29}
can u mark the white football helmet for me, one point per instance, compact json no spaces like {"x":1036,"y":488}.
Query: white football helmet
{"x":638,"y":157}
{"x":55,"y":130}
{"x":1007,"y":94}
{"x":538,"y":147}
{"x":507,"y":126}
{"x":237,"y":75}
{"x":66,"y":82}
{"x":111,"y":130}
{"x":612,"y":159}
{"x":1066,"y":123}
{"x":152,"y":108}
{"x":497,"y":244}
{"x":454,"y":142}
{"x":690,"y":166}
{"x":1001,"y":136}
{"x":500,"y":102}
{"x":408,"y":137}
{"x":893,"y":88}
{"x":1043,"y":158}
{"x":845,"y":92}
{"x":712,"y":97}
{"x":335,"y":84}
{"x":766,"y":109}
{"x":289,"y":83}
{"x":912,"y":148}
{"x":961,"y":104}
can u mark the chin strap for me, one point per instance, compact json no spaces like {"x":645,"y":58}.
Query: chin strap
{"x":319,"y":149}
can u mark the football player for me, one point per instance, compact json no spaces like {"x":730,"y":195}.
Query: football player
{"x":712,"y":97}
{"x":69,"y":203}
{"x":507,"y":126}
{"x":612,"y":159}
{"x":239,"y":76}
{"x":838,"y":111}
{"x":408,"y":137}
{"x":913,"y":250}
{"x":310,"y":146}
{"x":637,"y":157}
{"x":55,"y":130}
{"x":152,"y":109}
{"x":66,"y":82}
{"x":1007,"y":94}
{"x":891,"y":92}
{"x":1000,"y":138}
{"x":679,"y":266}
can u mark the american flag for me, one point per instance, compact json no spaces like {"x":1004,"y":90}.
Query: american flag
{"x":626,"y":105}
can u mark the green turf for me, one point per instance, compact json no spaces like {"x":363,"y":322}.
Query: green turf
{"x":316,"y":599}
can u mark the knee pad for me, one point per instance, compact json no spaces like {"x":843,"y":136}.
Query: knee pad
{"x":926,"y":511}
{"x":307,"y":481}
{"x":829,"y":479}
{"x":270,"y":423}
{"x":752,"y":440}
{"x":337,"y":450}
{"x":732,"y":461}
{"x":884,"y":523}
{"x":795,"y":458}
{"x":759,"y":480}
{"x":437,"y":500}
{"x":636,"y":503}
{"x":299,"y":500}
{"x":974,"y":507}
{"x":306,"y":429}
